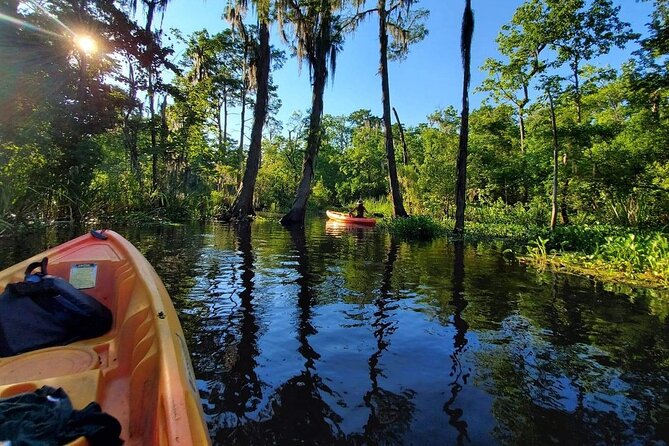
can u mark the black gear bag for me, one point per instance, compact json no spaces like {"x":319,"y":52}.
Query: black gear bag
{"x":45,"y":311}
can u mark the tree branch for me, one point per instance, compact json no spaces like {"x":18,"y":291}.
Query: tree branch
{"x":357,"y":17}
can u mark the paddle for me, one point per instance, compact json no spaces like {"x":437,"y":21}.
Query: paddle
{"x":376,"y":214}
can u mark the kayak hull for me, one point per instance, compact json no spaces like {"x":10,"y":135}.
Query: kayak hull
{"x":345,"y":218}
{"x":140,"y":371}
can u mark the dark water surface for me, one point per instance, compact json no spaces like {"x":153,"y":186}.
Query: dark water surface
{"x":339,"y":335}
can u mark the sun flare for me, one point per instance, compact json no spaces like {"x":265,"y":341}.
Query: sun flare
{"x":86,"y":43}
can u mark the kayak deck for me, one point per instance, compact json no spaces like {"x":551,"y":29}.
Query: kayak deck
{"x":345,"y":218}
{"x":140,"y":371}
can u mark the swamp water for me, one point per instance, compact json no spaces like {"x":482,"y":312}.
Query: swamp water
{"x":342,"y":335}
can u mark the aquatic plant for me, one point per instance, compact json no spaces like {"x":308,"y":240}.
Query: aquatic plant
{"x":637,"y":253}
{"x":414,"y":227}
{"x":538,"y":252}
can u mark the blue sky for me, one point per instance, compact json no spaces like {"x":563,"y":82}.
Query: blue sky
{"x":429,"y":79}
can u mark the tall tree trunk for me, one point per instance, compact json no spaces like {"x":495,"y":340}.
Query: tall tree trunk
{"x":130,"y":128}
{"x":461,"y":184}
{"x":242,"y":207}
{"x":225,"y":117}
{"x":242,"y":118}
{"x":154,"y":148}
{"x":556,"y":148}
{"x":219,"y":124}
{"x":164,"y":129}
{"x":564,"y":212}
{"x":240,"y":149}
{"x":150,"y":9}
{"x":405,"y":153}
{"x":521,"y":122}
{"x":577,"y":91}
{"x":395,"y":192}
{"x":296,"y":214}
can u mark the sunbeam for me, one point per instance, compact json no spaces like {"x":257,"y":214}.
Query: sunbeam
{"x":48,"y":14}
{"x":32,"y":27}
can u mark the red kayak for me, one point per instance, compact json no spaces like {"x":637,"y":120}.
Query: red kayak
{"x":345,"y":218}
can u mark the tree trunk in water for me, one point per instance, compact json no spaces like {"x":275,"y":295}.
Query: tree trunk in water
{"x":461,"y":184}
{"x":395,"y":193}
{"x":296,"y":214}
{"x":242,"y":207}
{"x":554,"y":208}
{"x":405,"y":153}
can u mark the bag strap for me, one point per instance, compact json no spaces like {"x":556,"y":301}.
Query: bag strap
{"x":42,"y":266}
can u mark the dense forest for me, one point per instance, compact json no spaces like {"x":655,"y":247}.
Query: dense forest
{"x":123,"y":133}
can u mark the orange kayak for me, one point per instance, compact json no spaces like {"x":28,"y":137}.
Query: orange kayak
{"x":345,"y":218}
{"x":140,"y":371}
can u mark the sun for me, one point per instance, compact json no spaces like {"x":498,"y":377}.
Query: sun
{"x":86,"y":43}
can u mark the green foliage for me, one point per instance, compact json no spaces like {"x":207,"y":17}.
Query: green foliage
{"x":594,"y":251}
{"x":537,"y":251}
{"x":320,"y":196}
{"x":535,"y":213}
{"x":583,"y":238}
{"x":24,"y":177}
{"x":363,"y":166}
{"x":636,"y":253}
{"x":87,"y":153}
{"x":278,"y":175}
{"x":376,"y":207}
{"x":417,"y":227}
{"x":433,"y":189}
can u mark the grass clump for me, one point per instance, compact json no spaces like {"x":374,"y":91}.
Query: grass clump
{"x":415,"y":227}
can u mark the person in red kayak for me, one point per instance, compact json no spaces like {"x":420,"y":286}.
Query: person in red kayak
{"x":358,"y":211}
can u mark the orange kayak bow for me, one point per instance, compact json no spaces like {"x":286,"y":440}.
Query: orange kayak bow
{"x":140,"y":371}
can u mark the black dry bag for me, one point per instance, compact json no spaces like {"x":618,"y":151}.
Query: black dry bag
{"x":45,"y":311}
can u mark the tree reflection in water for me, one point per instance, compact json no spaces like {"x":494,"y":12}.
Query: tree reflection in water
{"x":552,"y":359}
{"x":459,"y":303}
{"x":240,"y":391}
{"x":390,"y":413}
{"x":296,"y":412}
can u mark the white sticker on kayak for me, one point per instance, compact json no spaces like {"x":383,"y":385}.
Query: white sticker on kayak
{"x":83,"y":275}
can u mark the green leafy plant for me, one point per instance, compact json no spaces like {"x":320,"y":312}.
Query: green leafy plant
{"x":415,"y":227}
{"x":537,"y":251}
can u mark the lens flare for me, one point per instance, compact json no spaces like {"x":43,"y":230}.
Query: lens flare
{"x":86,"y":43}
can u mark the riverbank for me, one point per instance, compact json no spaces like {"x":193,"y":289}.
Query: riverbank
{"x":604,"y":252}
